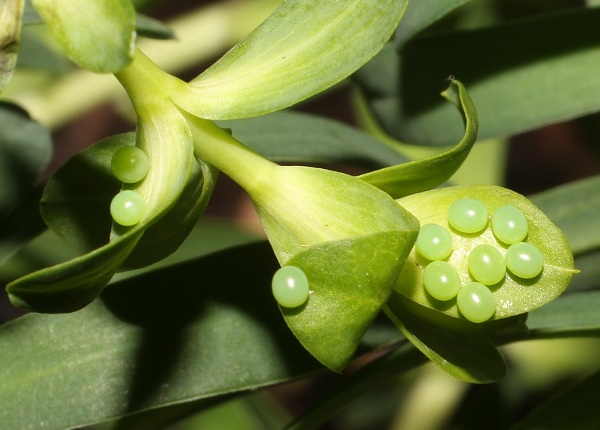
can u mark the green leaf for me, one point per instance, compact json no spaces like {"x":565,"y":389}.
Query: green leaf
{"x":303,"y":48}
{"x":76,"y":199}
{"x":150,"y":27}
{"x":289,"y":136}
{"x":420,"y":14}
{"x":74,"y":284}
{"x":34,"y":53}
{"x":573,"y":408}
{"x":21,"y":225}
{"x":165,"y":236}
{"x":11,"y":13}
{"x":526,"y":74}
{"x":469,"y":358}
{"x":427,"y":173}
{"x":514,"y":295}
{"x":167,"y":337}
{"x":25,"y":150}
{"x":574,"y":314}
{"x":99,"y":36}
{"x":574,"y":208}
{"x":350,"y":280}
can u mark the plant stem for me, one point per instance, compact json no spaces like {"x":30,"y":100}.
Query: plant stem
{"x":217,"y":147}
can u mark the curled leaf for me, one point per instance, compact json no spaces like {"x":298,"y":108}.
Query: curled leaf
{"x":72,"y":285}
{"x":427,"y":173}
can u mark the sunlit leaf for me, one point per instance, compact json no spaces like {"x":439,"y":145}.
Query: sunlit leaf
{"x":514,"y":295}
{"x":303,"y":48}
{"x":99,"y":36}
{"x":350,"y":281}
{"x":74,"y":284}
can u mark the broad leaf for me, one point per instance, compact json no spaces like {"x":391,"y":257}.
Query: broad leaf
{"x":303,"y":48}
{"x":526,"y":74}
{"x":167,"y":337}
{"x":430,"y":172}
{"x":350,"y":281}
{"x":99,"y":36}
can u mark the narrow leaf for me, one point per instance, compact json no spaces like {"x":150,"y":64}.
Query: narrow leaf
{"x":425,"y":174}
{"x":167,"y":337}
{"x":574,"y":208}
{"x":150,"y":27}
{"x":420,"y":14}
{"x":99,"y":36}
{"x":574,"y":314}
{"x":289,"y":136}
{"x":526,"y":74}
{"x":303,"y":48}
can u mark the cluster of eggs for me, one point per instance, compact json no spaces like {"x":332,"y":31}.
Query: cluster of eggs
{"x":129,"y":164}
{"x":487,"y":266}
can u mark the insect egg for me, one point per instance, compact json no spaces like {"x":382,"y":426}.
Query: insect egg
{"x":509,"y":224}
{"x":290,"y":287}
{"x":524,"y":260}
{"x":468,"y":215}
{"x":129,"y":164}
{"x":441,"y":280}
{"x":434,"y":242}
{"x":476,"y":302}
{"x":127,"y":208}
{"x":486,"y":265}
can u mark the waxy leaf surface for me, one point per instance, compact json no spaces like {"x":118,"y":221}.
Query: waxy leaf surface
{"x":515,"y":296}
{"x":97,"y":35}
{"x":304,"y":47}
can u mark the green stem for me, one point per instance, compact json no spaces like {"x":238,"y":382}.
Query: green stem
{"x":147,"y":84}
{"x":216,"y":146}
{"x":150,"y":88}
